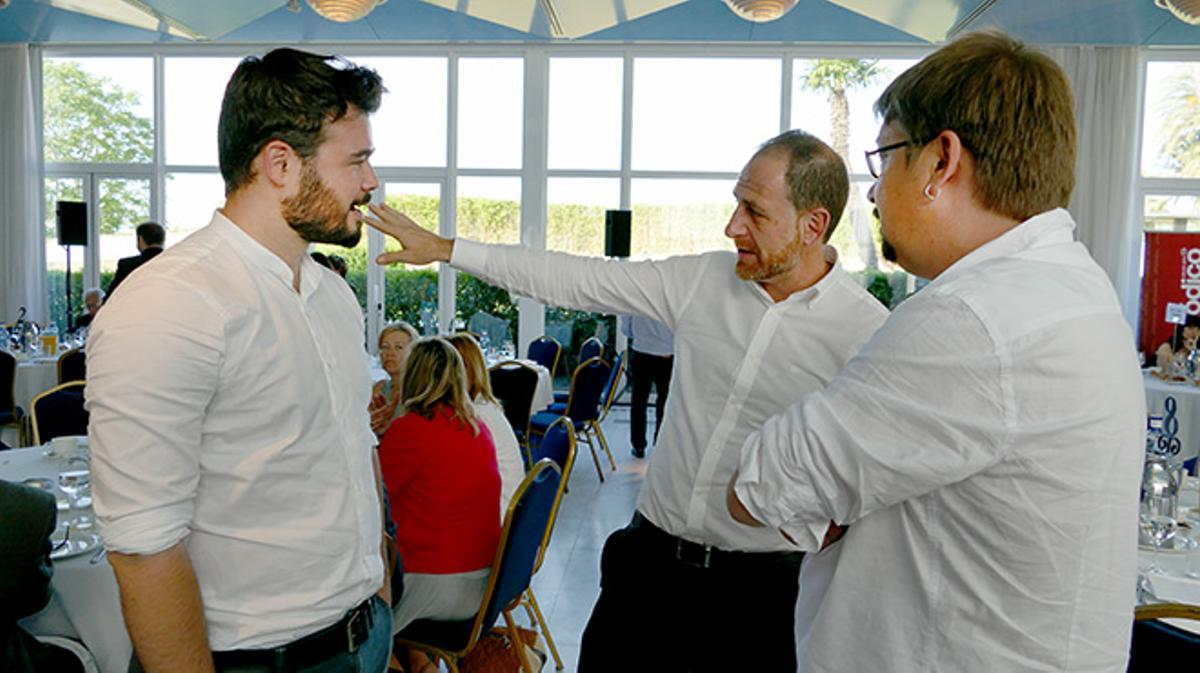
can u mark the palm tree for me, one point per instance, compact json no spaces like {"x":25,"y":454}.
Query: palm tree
{"x":834,"y":77}
{"x":1180,"y":115}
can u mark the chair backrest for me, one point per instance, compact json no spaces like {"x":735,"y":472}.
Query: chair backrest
{"x":58,"y":412}
{"x":545,"y":351}
{"x":591,"y":348}
{"x":613,"y":386}
{"x":558,"y":444}
{"x":587,"y":386}
{"x":8,"y":381}
{"x":72,"y":365}
{"x":1157,"y":646}
{"x":514,"y":384}
{"x":520,"y":541}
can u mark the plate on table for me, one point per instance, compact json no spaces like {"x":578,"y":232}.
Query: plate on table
{"x":79,"y":542}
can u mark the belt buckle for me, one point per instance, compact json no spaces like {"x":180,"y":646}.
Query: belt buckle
{"x":704,"y":561}
{"x":362,"y":628}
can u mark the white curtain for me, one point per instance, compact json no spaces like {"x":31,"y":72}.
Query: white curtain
{"x":1107,"y":85}
{"x":22,"y":248}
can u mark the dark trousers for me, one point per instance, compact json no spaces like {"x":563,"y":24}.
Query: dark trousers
{"x":662,"y":614}
{"x":648,"y":370}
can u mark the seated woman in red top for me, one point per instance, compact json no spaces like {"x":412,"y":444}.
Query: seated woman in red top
{"x":439,"y":467}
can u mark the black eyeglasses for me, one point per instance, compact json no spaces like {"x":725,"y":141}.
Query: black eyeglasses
{"x":875,"y":156}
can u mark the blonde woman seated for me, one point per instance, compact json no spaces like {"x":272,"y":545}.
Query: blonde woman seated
{"x":488,"y":410}
{"x":394,"y":342}
{"x":439,"y":468}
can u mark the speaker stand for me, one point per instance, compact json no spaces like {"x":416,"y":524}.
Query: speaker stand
{"x":70,"y":313}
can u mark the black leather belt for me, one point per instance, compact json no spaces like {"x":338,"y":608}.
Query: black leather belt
{"x":699,"y":555}
{"x":344,"y":637}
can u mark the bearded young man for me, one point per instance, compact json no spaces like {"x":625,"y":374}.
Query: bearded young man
{"x":753,"y":330}
{"x":231,"y":446}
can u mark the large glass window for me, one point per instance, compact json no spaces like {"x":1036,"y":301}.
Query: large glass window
{"x":98,"y":110}
{"x":702,"y":114}
{"x":585,"y":113}
{"x":680,"y":217}
{"x":490,"y":112}
{"x":124,"y":204}
{"x":489,"y":210}
{"x":1171,"y":131}
{"x":409,"y":128}
{"x":192,"y":90}
{"x":411,"y":292}
{"x":1171,"y":213}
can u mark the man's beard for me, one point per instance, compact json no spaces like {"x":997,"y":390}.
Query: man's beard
{"x":889,"y":252}
{"x":316,"y":214}
{"x":770,"y":265}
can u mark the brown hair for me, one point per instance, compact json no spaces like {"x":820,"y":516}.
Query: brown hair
{"x":1012,"y":108}
{"x":287,"y":95}
{"x":479,"y":384}
{"x":816,"y":175}
{"x":434,"y":376}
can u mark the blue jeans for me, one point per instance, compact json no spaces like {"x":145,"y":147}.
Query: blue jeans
{"x":372,"y":656}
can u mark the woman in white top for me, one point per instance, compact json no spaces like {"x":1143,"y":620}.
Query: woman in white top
{"x":395,"y":341}
{"x":488,"y":410}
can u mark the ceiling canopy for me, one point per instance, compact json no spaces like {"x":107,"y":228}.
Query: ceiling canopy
{"x":1130,"y":22}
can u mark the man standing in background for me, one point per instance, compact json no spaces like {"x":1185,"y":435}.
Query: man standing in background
{"x":652,"y":350}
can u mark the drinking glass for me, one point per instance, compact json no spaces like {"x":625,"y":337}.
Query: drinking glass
{"x":75,"y":480}
{"x":1158,"y":520}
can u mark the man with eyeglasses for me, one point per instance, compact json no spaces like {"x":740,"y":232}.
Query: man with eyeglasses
{"x":984,"y":446}
{"x":684,"y":587}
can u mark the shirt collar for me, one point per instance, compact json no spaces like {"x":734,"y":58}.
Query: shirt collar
{"x":1053,"y":227}
{"x":261,"y":259}
{"x":813,"y":293}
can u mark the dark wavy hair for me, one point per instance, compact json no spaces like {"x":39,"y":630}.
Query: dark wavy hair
{"x":287,"y":95}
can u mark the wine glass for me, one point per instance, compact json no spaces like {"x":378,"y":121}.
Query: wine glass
{"x":1158,"y":520}
{"x":75,"y":479}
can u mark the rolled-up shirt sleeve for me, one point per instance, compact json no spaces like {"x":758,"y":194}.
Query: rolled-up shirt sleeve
{"x":153,"y":358}
{"x":926,"y":402}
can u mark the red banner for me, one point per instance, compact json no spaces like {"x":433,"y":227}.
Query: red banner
{"x":1171,"y":280}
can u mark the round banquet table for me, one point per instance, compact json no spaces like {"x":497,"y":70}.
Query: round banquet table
{"x":1187,"y":410}
{"x":84,"y":603}
{"x":34,"y":377}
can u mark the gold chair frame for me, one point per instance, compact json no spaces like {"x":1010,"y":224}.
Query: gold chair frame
{"x":528,"y":600}
{"x":477,"y":630}
{"x":33,"y":424}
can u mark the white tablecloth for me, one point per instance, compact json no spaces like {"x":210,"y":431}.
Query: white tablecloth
{"x":84,"y":602}
{"x":34,"y":377}
{"x":1187,"y":410}
{"x":544,"y":395}
{"x":1173,"y":585}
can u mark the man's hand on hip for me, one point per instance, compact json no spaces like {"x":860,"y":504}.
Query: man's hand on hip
{"x":418,"y":246}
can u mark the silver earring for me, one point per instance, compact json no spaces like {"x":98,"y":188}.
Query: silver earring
{"x":930,"y":192}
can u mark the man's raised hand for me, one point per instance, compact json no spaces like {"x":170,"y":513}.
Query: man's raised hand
{"x":418,"y":246}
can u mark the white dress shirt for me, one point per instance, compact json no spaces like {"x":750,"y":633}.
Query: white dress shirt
{"x":508,"y":451}
{"x":985,"y":446}
{"x":740,"y":358}
{"x":649,"y":336}
{"x":230,"y":412}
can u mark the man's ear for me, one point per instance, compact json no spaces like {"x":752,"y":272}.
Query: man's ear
{"x":949,"y":149}
{"x":813,"y":225}
{"x":279,"y":164}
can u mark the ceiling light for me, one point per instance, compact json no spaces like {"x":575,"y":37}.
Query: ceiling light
{"x":1187,"y":11}
{"x":344,"y":11}
{"x":760,"y":11}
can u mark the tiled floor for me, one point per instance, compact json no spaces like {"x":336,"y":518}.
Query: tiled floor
{"x":569,"y":580}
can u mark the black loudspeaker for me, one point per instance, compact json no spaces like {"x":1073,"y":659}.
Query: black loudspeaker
{"x":616,"y":233}
{"x":72,"y":222}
